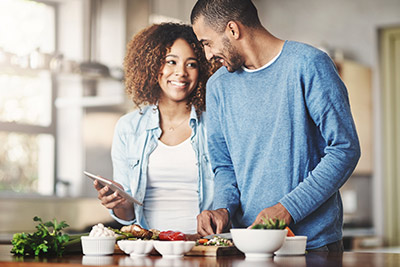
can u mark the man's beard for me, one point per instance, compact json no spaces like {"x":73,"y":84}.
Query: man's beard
{"x":233,"y":59}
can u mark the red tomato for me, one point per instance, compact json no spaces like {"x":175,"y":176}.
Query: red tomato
{"x":171,"y":236}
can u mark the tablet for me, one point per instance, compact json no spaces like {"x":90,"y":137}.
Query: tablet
{"x":113,"y":187}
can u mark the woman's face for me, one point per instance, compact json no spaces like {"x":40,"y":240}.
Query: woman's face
{"x":179,"y":74}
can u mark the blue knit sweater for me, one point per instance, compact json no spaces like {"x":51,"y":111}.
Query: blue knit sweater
{"x":283,"y":133}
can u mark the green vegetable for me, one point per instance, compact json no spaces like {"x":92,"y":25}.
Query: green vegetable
{"x":269,"y":223}
{"x":48,"y":239}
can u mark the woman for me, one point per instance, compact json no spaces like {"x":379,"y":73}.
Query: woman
{"x":159,"y":151}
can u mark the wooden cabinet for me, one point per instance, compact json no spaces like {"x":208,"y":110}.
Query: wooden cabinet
{"x":357,"y":79}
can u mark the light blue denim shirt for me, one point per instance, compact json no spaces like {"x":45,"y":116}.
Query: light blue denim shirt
{"x":135,"y":138}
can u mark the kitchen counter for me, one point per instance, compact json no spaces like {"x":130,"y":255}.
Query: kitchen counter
{"x":310,"y":259}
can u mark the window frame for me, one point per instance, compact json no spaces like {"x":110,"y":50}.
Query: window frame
{"x":31,"y":129}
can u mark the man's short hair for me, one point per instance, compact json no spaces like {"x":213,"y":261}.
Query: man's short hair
{"x":217,"y":13}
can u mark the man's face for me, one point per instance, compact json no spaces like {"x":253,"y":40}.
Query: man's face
{"x":217,"y":46}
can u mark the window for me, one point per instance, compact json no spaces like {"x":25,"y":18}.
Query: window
{"x":27,"y":125}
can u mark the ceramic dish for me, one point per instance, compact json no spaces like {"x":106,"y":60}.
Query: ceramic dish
{"x":258,"y":243}
{"x":173,"y":249}
{"x":293,"y":245}
{"x":98,"y":245}
{"x":136,"y":247}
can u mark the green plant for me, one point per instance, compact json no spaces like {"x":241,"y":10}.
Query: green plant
{"x":48,"y":239}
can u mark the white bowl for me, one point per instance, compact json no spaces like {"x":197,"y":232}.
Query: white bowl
{"x":98,"y":245}
{"x":136,"y":247}
{"x":173,"y":249}
{"x":258,"y":243}
{"x":293,"y":245}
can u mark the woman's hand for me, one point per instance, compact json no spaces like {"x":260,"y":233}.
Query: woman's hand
{"x":112,"y":200}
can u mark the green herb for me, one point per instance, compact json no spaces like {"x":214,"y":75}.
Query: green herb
{"x":269,"y":223}
{"x":48,"y":239}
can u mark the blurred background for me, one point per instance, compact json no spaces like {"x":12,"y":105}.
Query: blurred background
{"x":61,"y":93}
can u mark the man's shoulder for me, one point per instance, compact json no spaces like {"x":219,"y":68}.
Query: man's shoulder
{"x":296,"y":46}
{"x":220,"y":74}
{"x":301,"y":54}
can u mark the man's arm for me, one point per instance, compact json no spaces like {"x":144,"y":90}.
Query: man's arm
{"x":328,"y":105}
{"x":226,"y":193}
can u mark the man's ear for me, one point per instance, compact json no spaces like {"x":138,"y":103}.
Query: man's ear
{"x":232,"y":30}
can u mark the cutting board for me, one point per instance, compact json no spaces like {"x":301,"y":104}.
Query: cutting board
{"x":213,"y":251}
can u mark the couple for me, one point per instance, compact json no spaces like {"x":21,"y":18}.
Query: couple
{"x":280,"y":137}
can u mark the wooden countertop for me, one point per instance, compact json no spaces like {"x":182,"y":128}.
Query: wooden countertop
{"x":310,"y":259}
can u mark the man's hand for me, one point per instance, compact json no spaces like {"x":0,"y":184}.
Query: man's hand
{"x":277,"y":211}
{"x":212,"y":221}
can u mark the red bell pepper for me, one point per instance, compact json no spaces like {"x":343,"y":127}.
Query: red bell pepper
{"x":171,"y":236}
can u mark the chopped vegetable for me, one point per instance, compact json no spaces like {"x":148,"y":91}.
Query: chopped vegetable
{"x":44,"y":241}
{"x":171,"y":236}
{"x":289,"y":232}
{"x":270,"y":224}
{"x":215,"y":241}
{"x":202,"y":241}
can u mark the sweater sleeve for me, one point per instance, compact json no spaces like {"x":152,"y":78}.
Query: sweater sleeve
{"x":226,"y":193}
{"x":328,"y":106}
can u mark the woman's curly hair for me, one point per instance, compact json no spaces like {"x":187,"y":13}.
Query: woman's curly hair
{"x":146,"y":56}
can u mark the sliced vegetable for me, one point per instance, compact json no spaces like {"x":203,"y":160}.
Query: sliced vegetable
{"x":171,"y":236}
{"x":289,"y":232}
{"x":202,"y":241}
{"x":215,"y":241}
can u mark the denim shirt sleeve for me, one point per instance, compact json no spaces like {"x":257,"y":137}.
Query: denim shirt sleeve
{"x":120,"y":166}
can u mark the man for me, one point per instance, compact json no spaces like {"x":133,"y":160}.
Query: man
{"x":281,"y":136}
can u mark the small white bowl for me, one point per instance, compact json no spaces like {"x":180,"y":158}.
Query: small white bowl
{"x":136,"y":247}
{"x":98,"y":245}
{"x":258,"y":243}
{"x":293,"y":245}
{"x":173,"y":249}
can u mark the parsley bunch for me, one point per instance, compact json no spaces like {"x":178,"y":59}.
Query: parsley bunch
{"x":48,"y":239}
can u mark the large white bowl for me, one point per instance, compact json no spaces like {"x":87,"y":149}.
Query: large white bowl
{"x":98,"y":245}
{"x":173,"y":249}
{"x":293,"y":245}
{"x":136,"y":247}
{"x":258,"y":243}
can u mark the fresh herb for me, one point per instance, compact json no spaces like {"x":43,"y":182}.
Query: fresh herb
{"x":269,"y":223}
{"x":48,"y":239}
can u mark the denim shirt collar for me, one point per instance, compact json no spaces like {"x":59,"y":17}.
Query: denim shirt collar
{"x":154,"y":119}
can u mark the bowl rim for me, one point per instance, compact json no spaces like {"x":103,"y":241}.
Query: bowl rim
{"x":174,"y":241}
{"x":297,"y":237}
{"x":249,"y":229}
{"x":130,"y":240}
{"x":98,"y":237}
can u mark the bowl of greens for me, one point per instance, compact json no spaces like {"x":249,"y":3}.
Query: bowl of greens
{"x":262,"y":240}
